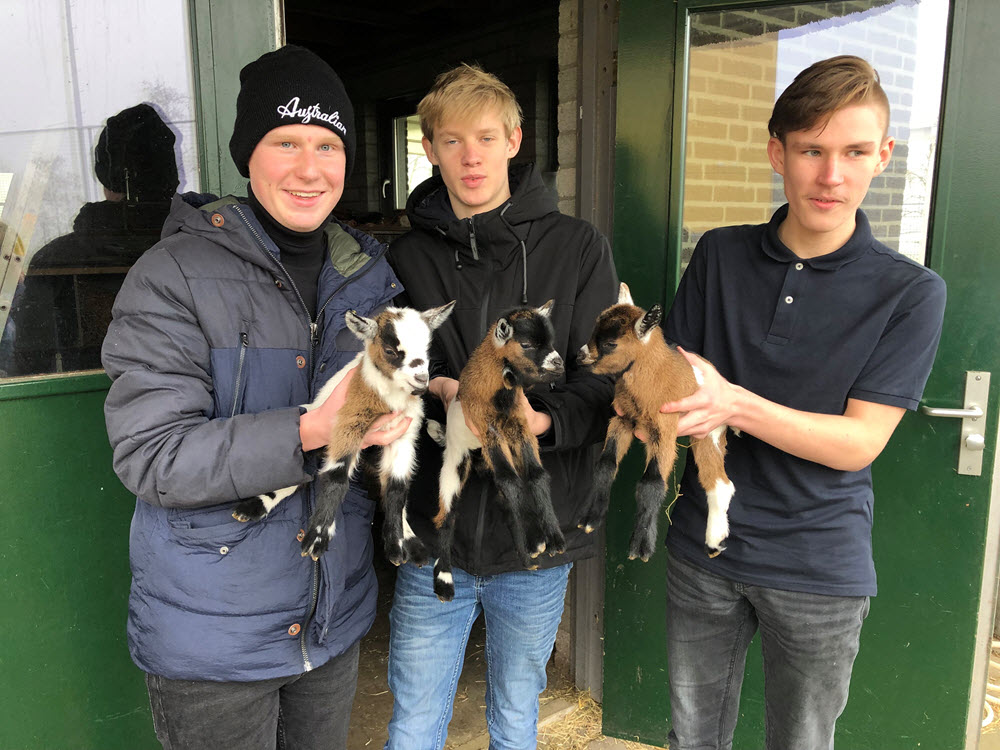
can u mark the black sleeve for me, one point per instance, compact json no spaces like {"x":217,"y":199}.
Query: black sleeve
{"x":580,"y":408}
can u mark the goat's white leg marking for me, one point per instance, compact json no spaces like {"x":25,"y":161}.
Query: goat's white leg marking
{"x":716,"y":434}
{"x":445,"y":576}
{"x":271,"y":502}
{"x":717,"y":528}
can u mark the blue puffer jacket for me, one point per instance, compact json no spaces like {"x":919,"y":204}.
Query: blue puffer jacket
{"x":211,"y":351}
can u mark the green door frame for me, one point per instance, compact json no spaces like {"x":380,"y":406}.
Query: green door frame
{"x":67,"y":679}
{"x":946,"y":547}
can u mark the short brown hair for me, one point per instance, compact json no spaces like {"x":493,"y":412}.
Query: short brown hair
{"x":463,"y":92}
{"x":824,"y":88}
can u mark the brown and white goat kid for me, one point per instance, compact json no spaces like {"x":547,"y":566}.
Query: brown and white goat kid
{"x":392,"y":377}
{"x":627,"y":343}
{"x":517,"y":352}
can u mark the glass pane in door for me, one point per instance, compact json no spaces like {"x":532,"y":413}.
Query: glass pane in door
{"x":98,"y":132}
{"x":741,"y":60}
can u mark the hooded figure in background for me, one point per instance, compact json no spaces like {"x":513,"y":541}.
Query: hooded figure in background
{"x":64,"y":310}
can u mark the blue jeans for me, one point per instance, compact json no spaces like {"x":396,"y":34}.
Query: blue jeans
{"x":427,"y":641}
{"x":310,"y":711}
{"x":808,"y":643}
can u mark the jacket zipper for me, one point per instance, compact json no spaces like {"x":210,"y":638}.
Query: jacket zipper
{"x":244,"y":344}
{"x":313,"y":341}
{"x":313,"y":327}
{"x":472,"y":239}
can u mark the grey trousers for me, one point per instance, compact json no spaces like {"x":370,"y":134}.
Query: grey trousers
{"x":310,"y":711}
{"x":808,"y":642}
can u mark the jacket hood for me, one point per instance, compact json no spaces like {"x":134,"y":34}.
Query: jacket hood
{"x":429,"y":208}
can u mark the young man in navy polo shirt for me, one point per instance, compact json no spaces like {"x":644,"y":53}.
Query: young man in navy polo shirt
{"x":821,"y":338}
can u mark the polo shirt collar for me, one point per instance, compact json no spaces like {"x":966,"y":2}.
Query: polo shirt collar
{"x":853,"y":249}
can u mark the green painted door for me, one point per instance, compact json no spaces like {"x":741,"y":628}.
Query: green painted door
{"x":66,"y":679}
{"x":694,"y":94}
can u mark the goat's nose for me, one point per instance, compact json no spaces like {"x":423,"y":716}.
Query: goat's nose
{"x":420,"y":378}
{"x":583,"y":356}
{"x":556,"y":364}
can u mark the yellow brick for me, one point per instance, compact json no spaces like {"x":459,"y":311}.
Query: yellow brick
{"x":747,"y":214}
{"x":697,"y":193}
{"x":707,"y":129}
{"x":716,"y":152}
{"x":734,"y":194}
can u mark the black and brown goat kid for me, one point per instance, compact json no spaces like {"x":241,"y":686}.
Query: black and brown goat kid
{"x":517,"y":352}
{"x":628,"y":344}
{"x":392,"y":376}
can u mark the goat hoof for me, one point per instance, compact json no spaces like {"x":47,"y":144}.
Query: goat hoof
{"x":251,"y":509}
{"x":444,"y":586}
{"x":415,"y":552}
{"x":714,"y":551}
{"x":315,"y":543}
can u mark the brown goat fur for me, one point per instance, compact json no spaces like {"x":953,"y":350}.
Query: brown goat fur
{"x":393,"y":374}
{"x":517,"y":352}
{"x":628,"y":344}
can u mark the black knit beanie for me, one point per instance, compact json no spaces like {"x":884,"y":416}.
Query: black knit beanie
{"x":135,"y":155}
{"x":290,"y":86}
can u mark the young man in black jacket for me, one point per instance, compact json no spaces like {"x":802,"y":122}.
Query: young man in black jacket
{"x":490,"y":236}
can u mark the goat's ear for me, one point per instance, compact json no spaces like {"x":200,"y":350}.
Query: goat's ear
{"x":546,"y":309}
{"x":437,"y":315}
{"x":648,"y":322}
{"x":624,"y":295}
{"x":362,"y":327}
{"x":509,"y":377}
{"x":503,"y":331}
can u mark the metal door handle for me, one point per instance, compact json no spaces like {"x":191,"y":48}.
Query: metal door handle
{"x":971,"y":438}
{"x":973,"y":412}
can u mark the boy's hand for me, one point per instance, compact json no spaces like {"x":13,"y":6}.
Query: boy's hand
{"x":713,"y":404}
{"x":381,"y":434}
{"x":539,"y":422}
{"x":316,"y":426}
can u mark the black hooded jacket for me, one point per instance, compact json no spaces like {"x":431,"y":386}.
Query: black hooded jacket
{"x":524,"y":252}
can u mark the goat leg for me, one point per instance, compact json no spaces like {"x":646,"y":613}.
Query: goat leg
{"x":709,"y":454}
{"x":330,"y":493}
{"x":512,"y":498}
{"x":616,"y":445}
{"x":543,"y":532}
{"x":649,"y":495}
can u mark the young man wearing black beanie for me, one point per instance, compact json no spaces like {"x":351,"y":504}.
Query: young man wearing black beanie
{"x":220,"y":331}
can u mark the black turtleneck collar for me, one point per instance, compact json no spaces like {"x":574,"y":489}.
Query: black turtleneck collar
{"x":302,"y":253}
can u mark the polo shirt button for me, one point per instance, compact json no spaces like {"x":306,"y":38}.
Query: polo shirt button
{"x":223,"y":550}
{"x":278,"y":283}
{"x":294,"y":629}
{"x":218,"y":220}
{"x":300,"y":361}
{"x":798,"y":266}
{"x":788,"y":300}
{"x":322,"y":367}
{"x":301,"y":535}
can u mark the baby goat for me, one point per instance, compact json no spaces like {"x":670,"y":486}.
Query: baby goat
{"x":393,"y":375}
{"x":517,"y":352}
{"x":628,"y":344}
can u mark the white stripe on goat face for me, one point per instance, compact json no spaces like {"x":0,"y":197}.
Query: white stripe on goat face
{"x":414,"y":344}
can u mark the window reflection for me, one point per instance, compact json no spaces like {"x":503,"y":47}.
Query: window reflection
{"x":90,"y":167}
{"x":740,"y":60}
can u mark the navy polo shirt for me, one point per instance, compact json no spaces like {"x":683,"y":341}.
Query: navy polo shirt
{"x":862,"y":322}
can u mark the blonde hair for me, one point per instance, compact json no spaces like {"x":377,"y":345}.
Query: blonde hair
{"x":822,"y":89}
{"x":466,"y":91}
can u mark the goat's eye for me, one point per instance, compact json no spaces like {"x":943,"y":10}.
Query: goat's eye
{"x":609,"y":346}
{"x":389,"y":351}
